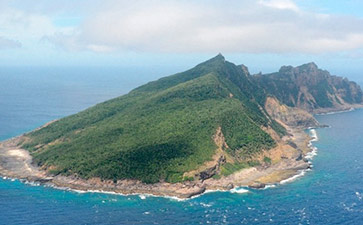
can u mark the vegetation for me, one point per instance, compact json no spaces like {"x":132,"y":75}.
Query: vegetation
{"x":160,"y":130}
{"x":267,"y":160}
{"x":165,"y":128}
{"x":230,"y":168}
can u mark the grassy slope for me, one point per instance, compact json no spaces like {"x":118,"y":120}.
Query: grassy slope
{"x":160,"y":130}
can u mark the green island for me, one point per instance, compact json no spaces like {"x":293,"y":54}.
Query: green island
{"x":206,"y":123}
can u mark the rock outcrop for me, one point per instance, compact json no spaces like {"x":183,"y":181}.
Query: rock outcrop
{"x":291,"y":116}
{"x":210,"y":172}
{"x":310,"y":88}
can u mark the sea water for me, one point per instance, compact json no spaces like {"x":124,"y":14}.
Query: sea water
{"x":330,"y":193}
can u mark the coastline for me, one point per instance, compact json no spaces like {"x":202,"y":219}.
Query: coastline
{"x":16,"y":163}
{"x":328,"y":111}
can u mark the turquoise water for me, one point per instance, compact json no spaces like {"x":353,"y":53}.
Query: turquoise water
{"x":331,"y":193}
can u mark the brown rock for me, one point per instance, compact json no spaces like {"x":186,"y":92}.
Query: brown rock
{"x":257,"y":185}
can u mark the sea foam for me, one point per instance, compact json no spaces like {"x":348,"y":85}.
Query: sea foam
{"x":314,"y":150}
{"x":313,"y":135}
{"x":238,"y":190}
{"x":309,"y":156}
{"x":290,"y":179}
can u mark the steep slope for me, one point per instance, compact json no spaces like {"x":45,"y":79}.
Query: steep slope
{"x":161,"y":130}
{"x":290,"y":116}
{"x":310,"y":88}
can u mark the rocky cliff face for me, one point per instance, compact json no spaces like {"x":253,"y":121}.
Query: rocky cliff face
{"x":290,"y":116}
{"x":310,"y":88}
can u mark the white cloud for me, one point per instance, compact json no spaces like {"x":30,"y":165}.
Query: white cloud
{"x":264,"y":26}
{"x":279,"y":4}
{"x":20,"y":24}
{"x":21,"y":27}
{"x":6,"y":43}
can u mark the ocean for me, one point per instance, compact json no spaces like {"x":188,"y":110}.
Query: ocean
{"x":331,"y":193}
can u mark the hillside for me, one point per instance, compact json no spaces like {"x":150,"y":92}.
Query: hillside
{"x":161,"y":130}
{"x":310,"y":88}
{"x":209,"y":121}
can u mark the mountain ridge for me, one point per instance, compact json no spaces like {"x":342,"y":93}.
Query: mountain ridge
{"x":311,"y":88}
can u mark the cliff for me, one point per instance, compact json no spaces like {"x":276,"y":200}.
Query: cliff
{"x":310,"y":88}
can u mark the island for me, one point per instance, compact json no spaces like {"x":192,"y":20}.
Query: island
{"x":213,"y":127}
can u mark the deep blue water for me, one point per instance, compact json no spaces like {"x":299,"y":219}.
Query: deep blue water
{"x":332,"y":193}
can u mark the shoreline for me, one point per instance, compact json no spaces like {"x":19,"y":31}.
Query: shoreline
{"x":289,"y":160}
{"x":16,"y":163}
{"x":329,"y":111}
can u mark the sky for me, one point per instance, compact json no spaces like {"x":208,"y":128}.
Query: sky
{"x":262,"y":34}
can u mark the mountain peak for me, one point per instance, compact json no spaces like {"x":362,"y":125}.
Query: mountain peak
{"x":220,"y":55}
{"x":217,"y":58}
{"x":309,"y":66}
{"x":216,"y":61}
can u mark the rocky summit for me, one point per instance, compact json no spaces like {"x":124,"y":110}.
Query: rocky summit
{"x":310,"y":88}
